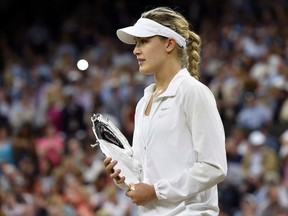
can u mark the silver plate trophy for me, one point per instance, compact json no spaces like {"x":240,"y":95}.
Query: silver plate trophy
{"x":115,"y":145}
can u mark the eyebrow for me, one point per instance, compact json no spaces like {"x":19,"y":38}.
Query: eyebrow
{"x":143,"y":38}
{"x":138,"y":38}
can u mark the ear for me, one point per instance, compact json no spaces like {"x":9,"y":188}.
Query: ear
{"x":170,"y":44}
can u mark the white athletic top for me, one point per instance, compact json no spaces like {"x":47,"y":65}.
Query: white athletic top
{"x":182,"y":152}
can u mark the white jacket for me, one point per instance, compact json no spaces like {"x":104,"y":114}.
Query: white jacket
{"x":181,"y":148}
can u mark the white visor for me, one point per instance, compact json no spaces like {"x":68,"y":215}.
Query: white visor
{"x":147,"y":28}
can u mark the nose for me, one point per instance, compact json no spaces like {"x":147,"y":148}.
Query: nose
{"x":136,"y":50}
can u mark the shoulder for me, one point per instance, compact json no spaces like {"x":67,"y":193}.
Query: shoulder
{"x":196,"y":97}
{"x":192,"y":82}
{"x":193,"y":87}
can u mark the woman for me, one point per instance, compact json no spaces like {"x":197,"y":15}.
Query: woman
{"x":178,"y":136}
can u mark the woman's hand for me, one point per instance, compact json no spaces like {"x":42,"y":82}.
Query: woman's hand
{"x":114,"y":174}
{"x":141,"y":193}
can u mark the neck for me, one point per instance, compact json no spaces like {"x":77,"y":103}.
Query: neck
{"x":162,"y":79}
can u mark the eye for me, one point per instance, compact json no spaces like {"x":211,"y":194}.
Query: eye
{"x":144,"y":40}
{"x":141,"y":41}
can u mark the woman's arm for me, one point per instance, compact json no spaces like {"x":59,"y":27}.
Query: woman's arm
{"x":208,"y":137}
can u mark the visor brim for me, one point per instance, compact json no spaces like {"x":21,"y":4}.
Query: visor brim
{"x":128,"y":34}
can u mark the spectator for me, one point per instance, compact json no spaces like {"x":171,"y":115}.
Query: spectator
{"x":258,"y":161}
{"x":22,"y":112}
{"x":283,"y":154}
{"x":234,"y":159}
{"x":279,"y":196}
{"x":12,"y":206}
{"x":254,"y":114}
{"x":24,"y":144}
{"x":283,"y":113}
{"x":6,"y":148}
{"x":276,"y":203}
{"x":72,"y":114}
{"x":248,"y":206}
{"x":50,"y":145}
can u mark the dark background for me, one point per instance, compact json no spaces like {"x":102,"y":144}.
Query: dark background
{"x":105,"y":15}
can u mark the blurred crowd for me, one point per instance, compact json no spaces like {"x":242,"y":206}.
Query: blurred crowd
{"x":47,"y":166}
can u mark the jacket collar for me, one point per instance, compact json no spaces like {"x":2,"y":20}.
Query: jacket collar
{"x":172,"y":87}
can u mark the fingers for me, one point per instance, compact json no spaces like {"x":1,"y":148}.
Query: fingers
{"x":132,"y":187}
{"x":107,"y":161}
{"x":120,"y":180}
{"x":109,"y":167}
{"x":141,"y":193}
{"x":129,"y":193}
{"x":115,"y":173}
{"x":132,"y":194}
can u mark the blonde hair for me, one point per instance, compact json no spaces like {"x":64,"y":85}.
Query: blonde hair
{"x":189,"y":57}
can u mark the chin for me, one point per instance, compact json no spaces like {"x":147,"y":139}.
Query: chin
{"x":146,"y":72}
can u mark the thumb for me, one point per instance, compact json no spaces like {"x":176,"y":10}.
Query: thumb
{"x":131,"y":186}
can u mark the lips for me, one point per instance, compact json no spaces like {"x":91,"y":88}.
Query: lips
{"x":140,"y":61}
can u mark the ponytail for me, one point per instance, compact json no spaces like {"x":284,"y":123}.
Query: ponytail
{"x":193,"y":54}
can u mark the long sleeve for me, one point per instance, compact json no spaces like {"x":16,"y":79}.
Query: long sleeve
{"x":208,"y":139}
{"x":200,"y":177}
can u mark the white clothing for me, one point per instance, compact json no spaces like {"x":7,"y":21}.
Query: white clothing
{"x":181,"y":149}
{"x":256,"y":165}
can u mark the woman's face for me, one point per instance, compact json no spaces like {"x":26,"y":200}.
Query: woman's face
{"x":150,"y":53}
